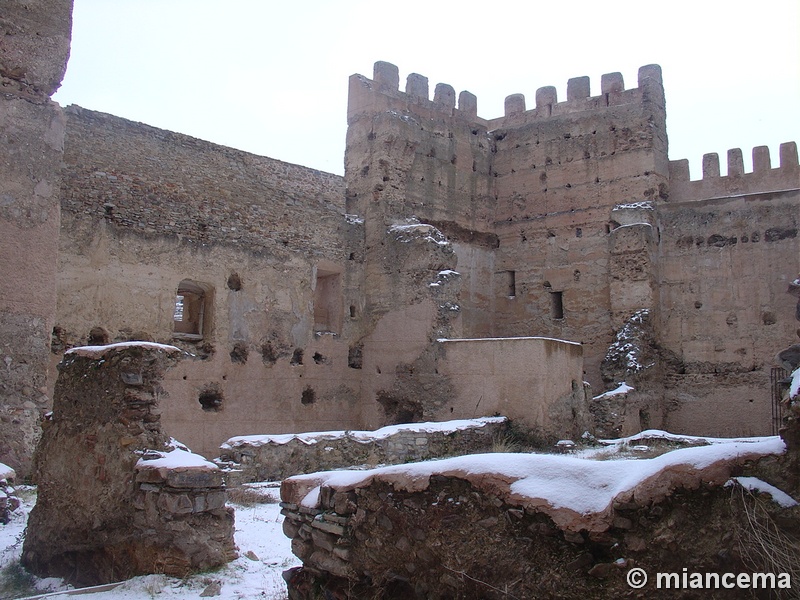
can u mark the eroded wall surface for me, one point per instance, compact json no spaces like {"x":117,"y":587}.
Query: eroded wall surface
{"x":145,"y":209}
{"x":33,"y":57}
{"x":323,"y":298}
{"x":727,"y":253}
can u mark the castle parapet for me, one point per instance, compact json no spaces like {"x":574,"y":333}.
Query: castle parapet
{"x":382,"y":93}
{"x":579,"y":98}
{"x":762,"y":179}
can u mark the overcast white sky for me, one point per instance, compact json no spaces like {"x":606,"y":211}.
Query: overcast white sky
{"x":270,"y":77}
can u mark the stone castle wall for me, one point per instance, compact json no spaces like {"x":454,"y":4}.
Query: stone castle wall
{"x":144,"y":209}
{"x":325,"y":297}
{"x":33,"y":57}
{"x":568,"y":219}
{"x":727,"y":253}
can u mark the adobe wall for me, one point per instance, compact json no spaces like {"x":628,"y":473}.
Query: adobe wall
{"x":33,"y":57}
{"x":144,"y":209}
{"x":535,"y":381}
{"x":728,"y":251}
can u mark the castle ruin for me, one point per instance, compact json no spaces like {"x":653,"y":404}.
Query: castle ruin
{"x":462,"y":266}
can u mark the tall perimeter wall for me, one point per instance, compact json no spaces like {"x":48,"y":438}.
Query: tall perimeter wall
{"x":33,"y":57}
{"x":314,"y":302}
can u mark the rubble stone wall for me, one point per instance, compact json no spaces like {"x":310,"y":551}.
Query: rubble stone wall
{"x":108,"y":506}
{"x":257,"y":459}
{"x":461,"y":532}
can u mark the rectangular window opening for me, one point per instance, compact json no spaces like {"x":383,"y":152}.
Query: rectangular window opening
{"x":191,"y":312}
{"x":328,"y":302}
{"x":557,"y":305}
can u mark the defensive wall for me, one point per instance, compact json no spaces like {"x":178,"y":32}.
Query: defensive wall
{"x":284,"y":333}
{"x":314,"y":302}
{"x":33,"y":58}
{"x":568,"y":218}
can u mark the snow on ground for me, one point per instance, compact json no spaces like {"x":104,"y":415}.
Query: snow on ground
{"x":566,"y":480}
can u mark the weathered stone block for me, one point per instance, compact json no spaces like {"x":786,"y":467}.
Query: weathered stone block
{"x":194,"y":478}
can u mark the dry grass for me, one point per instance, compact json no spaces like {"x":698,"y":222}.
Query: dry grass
{"x":762,"y":543}
{"x":250,"y":496}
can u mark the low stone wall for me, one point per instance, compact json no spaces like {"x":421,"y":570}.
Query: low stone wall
{"x":274,"y":457}
{"x":117,"y":497}
{"x":534,"y":526}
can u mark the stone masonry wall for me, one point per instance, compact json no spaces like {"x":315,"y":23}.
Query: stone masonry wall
{"x":159,"y":182}
{"x":116,"y":497}
{"x":144,"y":209}
{"x":270,"y":458}
{"x":450,"y":529}
{"x":33,"y":57}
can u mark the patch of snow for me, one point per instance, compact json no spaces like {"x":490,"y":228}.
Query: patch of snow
{"x":623,"y":388}
{"x":98,"y":351}
{"x":658,"y":434}
{"x":632,"y":225}
{"x":402,"y":117}
{"x":7,"y":472}
{"x":413,"y":229}
{"x":754,"y":484}
{"x":361,"y":436}
{"x":505,"y":339}
{"x":627,"y":342}
{"x":645,"y":205}
{"x":794,"y":388}
{"x":174,"y":459}
{"x":444,"y":277}
{"x":354,"y":219}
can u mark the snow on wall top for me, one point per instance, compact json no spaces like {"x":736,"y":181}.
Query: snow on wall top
{"x":98,"y":351}
{"x":360,"y":436}
{"x":576,"y":493}
{"x":507,"y":339}
{"x":179,"y":458}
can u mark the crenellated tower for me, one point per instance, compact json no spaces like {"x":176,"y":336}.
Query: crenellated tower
{"x":526,"y":199}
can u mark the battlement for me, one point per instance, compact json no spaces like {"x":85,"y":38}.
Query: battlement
{"x":764,"y":178}
{"x":579,"y":98}
{"x":386,"y":84}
